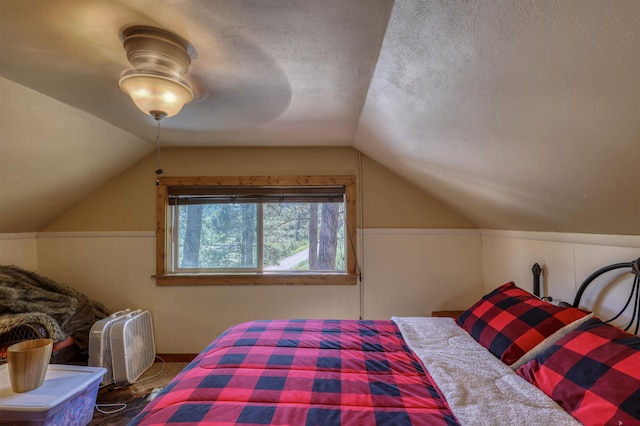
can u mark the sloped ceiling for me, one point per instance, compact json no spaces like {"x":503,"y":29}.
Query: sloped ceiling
{"x":522,"y":115}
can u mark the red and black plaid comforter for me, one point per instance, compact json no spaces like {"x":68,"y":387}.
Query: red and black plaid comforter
{"x":303,"y":372}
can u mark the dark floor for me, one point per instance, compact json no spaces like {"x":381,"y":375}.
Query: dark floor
{"x":134,"y":396}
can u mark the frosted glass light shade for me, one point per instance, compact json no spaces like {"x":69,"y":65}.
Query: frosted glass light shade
{"x":156,"y":94}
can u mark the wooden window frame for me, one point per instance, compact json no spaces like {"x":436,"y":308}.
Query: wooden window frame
{"x":163,"y":278}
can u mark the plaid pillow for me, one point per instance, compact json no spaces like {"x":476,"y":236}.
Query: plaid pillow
{"x":593,"y":373}
{"x":509,"y":321}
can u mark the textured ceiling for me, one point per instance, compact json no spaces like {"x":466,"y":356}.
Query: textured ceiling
{"x":266,"y":72}
{"x":522,"y":115}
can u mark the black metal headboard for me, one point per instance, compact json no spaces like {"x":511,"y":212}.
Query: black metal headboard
{"x":632,"y":301}
{"x":634,"y":295}
{"x":536,"y":270}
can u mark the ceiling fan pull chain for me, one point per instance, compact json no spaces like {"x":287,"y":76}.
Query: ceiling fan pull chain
{"x":158,"y":169}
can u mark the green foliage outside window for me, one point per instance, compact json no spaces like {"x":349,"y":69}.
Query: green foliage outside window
{"x":296,"y":236}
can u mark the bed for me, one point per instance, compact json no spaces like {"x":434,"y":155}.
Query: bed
{"x":511,"y":358}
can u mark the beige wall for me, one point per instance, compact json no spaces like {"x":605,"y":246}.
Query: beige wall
{"x":127,"y":203}
{"x":413,"y":272}
{"x":19,"y":250}
{"x":116,"y":269}
{"x":105,"y":247}
{"x":389,"y":201}
{"x":414,"y":259}
{"x":405,"y":272}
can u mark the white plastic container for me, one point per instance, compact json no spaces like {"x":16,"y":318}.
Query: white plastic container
{"x":67,"y":397}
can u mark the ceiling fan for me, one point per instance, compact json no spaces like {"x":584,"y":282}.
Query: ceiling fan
{"x":160,"y":60}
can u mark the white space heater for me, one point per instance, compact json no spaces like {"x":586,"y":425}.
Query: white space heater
{"x":123,"y":344}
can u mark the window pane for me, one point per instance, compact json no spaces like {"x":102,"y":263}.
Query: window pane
{"x":215,"y":228}
{"x":217,"y":236}
{"x":304,"y":237}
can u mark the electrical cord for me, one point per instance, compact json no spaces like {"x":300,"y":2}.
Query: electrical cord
{"x":121,"y":405}
{"x":157,"y":374}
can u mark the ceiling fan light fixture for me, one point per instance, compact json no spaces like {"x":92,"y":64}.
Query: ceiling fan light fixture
{"x":156,"y":93}
{"x":160,"y":59}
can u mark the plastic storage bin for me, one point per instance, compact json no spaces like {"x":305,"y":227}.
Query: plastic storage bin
{"x":67,"y":397}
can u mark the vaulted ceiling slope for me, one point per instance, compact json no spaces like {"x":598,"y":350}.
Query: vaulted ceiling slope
{"x":522,"y":115}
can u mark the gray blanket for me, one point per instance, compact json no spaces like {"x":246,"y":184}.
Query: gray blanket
{"x":479,"y":388}
{"x":26,"y":297}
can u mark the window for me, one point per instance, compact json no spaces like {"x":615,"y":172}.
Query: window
{"x":256,"y":230}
